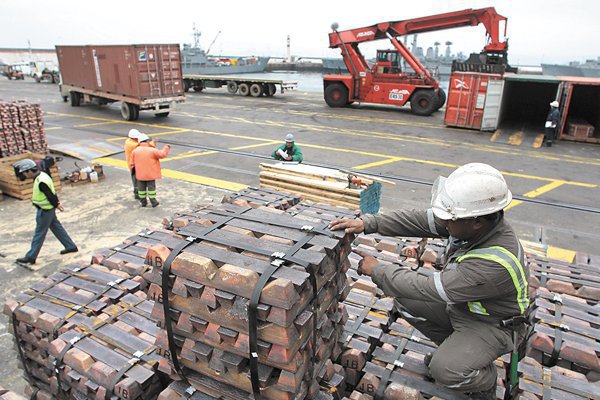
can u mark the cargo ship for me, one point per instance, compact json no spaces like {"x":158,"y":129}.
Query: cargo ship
{"x":590,"y":68}
{"x":195,"y":61}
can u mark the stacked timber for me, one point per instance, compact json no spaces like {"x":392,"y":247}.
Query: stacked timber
{"x":575,"y":279}
{"x":263,"y":197}
{"x":250,"y":298}
{"x":324,"y":185}
{"x":85,"y":332}
{"x":11,"y":185}
{"x":21,"y":129}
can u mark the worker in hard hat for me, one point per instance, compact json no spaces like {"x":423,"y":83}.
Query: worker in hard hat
{"x":145,"y":159}
{"x":130,"y":144}
{"x":483,"y":280}
{"x":46,"y":202}
{"x":551,"y":123}
{"x":288,"y":151}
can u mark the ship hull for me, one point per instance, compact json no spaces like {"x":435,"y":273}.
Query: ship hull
{"x":202,"y":69}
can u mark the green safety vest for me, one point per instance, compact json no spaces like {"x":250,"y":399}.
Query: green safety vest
{"x":39,"y":198}
{"x":512,"y":265}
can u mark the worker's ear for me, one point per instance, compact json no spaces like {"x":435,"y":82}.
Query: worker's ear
{"x":478,"y":223}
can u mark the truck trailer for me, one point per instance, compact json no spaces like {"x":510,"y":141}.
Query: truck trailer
{"x":245,"y":86}
{"x":140,"y":76}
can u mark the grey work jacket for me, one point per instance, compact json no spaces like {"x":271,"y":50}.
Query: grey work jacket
{"x":480,"y":279}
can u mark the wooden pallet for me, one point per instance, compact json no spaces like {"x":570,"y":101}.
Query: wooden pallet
{"x":12,"y":186}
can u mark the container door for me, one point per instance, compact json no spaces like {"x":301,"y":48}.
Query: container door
{"x":493,"y":101}
{"x":459,"y":98}
{"x":565,"y":90}
{"x":169,"y":68}
{"x":146,"y":63}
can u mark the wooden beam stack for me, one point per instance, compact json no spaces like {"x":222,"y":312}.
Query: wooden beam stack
{"x":21,"y":129}
{"x":212,"y":280}
{"x":85,"y":332}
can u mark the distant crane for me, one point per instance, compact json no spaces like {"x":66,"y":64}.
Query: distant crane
{"x":213,"y":42}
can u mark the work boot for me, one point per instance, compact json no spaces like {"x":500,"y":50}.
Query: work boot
{"x":489,"y":394}
{"x":136,"y":195}
{"x":427,"y":361}
{"x":25,"y":260}
{"x":143,"y":202}
{"x":549,"y":143}
{"x":154,"y":202}
{"x":67,"y":251}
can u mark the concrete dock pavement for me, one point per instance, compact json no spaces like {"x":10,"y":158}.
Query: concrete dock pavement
{"x":96,"y":215}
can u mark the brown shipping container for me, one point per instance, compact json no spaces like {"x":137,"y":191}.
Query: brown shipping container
{"x":137,"y":72}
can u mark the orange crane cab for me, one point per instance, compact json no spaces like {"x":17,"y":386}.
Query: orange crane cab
{"x":385,"y":82}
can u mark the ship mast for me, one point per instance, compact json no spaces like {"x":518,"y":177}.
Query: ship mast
{"x":196,"y":34}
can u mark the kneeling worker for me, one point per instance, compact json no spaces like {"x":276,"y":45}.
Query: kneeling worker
{"x":288,"y":151}
{"x":46,"y":202}
{"x":484,"y":279}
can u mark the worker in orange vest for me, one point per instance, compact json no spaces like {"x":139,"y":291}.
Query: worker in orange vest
{"x":130,"y":144}
{"x":145,"y":164}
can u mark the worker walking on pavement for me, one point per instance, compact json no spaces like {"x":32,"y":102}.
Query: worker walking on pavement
{"x":483,"y":282}
{"x":130,"y":144}
{"x":145,"y":163}
{"x":46,"y":202}
{"x":551,"y":123}
{"x":288,"y":151}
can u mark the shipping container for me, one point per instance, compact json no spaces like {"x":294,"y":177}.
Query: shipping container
{"x":141,"y":76}
{"x":473,"y":100}
{"x":579,"y":100}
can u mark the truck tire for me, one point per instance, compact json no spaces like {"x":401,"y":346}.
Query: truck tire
{"x":129,"y":112}
{"x":162,"y":114}
{"x":186,"y":85}
{"x":256,"y":90}
{"x":65,"y":98}
{"x":441,"y":99}
{"x":424,"y":102}
{"x":336,"y":95}
{"x":198,"y":86}
{"x":244,"y":89}
{"x":75,"y":99}
{"x":270,"y":89}
{"x":232,"y":87}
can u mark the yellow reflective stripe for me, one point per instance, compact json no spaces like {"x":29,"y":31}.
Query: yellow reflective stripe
{"x":511,"y":271}
{"x":477,"y":308}
{"x":525,"y":293}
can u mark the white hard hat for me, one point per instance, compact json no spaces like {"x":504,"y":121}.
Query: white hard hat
{"x":134,"y":134}
{"x":554,"y":104}
{"x":470,"y":191}
{"x":143,"y":137}
{"x":289,"y":137}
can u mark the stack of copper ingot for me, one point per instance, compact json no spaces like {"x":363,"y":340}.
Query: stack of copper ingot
{"x":85,"y":332}
{"x":21,"y":129}
{"x":263,"y":197}
{"x":252,"y":298}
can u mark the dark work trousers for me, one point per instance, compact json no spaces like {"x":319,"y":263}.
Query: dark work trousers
{"x":549,"y":134}
{"x":44,"y":220}
{"x":134,"y":181}
{"x":147,"y":189}
{"x":467,"y":347}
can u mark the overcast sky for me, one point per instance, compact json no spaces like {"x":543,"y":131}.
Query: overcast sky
{"x":549,"y":31}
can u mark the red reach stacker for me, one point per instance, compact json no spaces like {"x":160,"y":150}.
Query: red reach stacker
{"x":385,"y":82}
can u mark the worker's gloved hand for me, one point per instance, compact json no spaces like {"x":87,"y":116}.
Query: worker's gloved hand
{"x":349,"y":225}
{"x":366,"y":265}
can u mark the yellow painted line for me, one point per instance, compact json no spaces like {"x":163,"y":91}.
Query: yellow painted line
{"x":182,"y":176}
{"x":100,"y":150}
{"x":53,"y":128}
{"x":536,"y":192}
{"x":561,"y":254}
{"x":250,"y":146}
{"x":171,"y":132}
{"x":189,"y":155}
{"x":93,"y":124}
{"x":516,"y":138}
{"x":376,"y":163}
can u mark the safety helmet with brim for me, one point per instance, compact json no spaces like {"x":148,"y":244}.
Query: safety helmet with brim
{"x":25,"y":165}
{"x":134,"y":133}
{"x":472,"y":190}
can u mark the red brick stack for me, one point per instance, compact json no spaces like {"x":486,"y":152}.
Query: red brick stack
{"x":85,"y":332}
{"x":21,"y":129}
{"x":211,"y":281}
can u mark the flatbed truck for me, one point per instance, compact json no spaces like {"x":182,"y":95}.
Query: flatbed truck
{"x":255,"y":87}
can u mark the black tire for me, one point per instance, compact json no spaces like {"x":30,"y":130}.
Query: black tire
{"x":270,"y":89}
{"x":198,"y":86}
{"x":256,"y":90}
{"x":424,"y":102}
{"x":336,"y":95}
{"x":186,"y":85}
{"x":162,"y":114}
{"x":75,"y":99}
{"x":244,"y":89}
{"x":65,"y":98}
{"x":129,"y":112}
{"x":441,"y":99}
{"x":232,"y":87}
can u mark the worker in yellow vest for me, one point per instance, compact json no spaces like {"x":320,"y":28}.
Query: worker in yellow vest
{"x":46,"y":201}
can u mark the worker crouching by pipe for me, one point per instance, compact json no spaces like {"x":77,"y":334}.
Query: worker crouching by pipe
{"x":145,"y":164}
{"x":482,"y":284}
